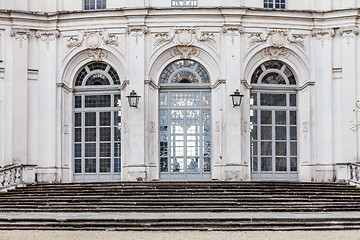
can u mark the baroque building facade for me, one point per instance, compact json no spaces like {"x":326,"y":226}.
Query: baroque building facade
{"x":67,"y":67}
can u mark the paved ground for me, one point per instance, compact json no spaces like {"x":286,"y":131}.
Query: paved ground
{"x":297,"y":235}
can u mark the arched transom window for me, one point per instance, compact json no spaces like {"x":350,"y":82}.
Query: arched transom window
{"x":273,"y":72}
{"x":96,"y":74}
{"x":184,"y":71}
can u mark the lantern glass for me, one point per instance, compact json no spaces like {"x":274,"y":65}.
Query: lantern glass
{"x":236,"y":98}
{"x":133,"y":99}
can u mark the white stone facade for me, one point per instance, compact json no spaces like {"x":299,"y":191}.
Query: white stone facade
{"x":42,"y":53}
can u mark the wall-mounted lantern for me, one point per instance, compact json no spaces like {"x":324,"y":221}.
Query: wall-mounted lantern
{"x":133,"y":99}
{"x":236,"y":98}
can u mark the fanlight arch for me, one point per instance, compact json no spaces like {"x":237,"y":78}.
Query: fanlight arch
{"x":184,"y":72}
{"x":273,"y":72}
{"x":97,"y":74}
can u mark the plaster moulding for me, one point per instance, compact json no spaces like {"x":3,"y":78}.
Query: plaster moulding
{"x":323,"y":34}
{"x":185,"y":37}
{"x":275,"y":53}
{"x":277,"y":37}
{"x":93,"y":39}
{"x":185,"y":52}
{"x":163,"y":38}
{"x":137,"y":32}
{"x":96,"y":55}
{"x":47,"y":36}
{"x":348,"y":32}
{"x":233,"y":32}
{"x":21,"y":34}
{"x":207,"y":37}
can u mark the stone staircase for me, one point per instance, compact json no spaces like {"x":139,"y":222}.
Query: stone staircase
{"x":181,"y":206}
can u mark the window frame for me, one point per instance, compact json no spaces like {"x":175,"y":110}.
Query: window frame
{"x":102,"y":2}
{"x":274,"y":2}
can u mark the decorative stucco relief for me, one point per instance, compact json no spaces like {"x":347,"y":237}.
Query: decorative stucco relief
{"x":256,"y":38}
{"x":277,"y":37}
{"x":233,"y":32}
{"x":323,"y":35}
{"x":185,"y":37}
{"x":163,"y":38}
{"x":208,"y":38}
{"x":275,"y":53}
{"x":21,"y":35}
{"x":137,"y":32}
{"x":185,"y":52}
{"x":297,"y":39}
{"x":96,"y":55}
{"x":47,"y":36}
{"x":348,"y":32}
{"x":93,"y":39}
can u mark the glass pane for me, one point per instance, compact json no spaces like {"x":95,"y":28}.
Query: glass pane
{"x":206,"y":132}
{"x":293,"y":148}
{"x":293,"y":100}
{"x":90,"y":149}
{"x":105,"y":118}
{"x":177,"y":117}
{"x":117,"y":134}
{"x":77,"y":119}
{"x":273,"y":99}
{"x":77,"y":134}
{"x":280,"y":148}
{"x":280,"y":117}
{"x":117,"y":165}
{"x":253,"y":148}
{"x":266,"y":148}
{"x":293,"y":164}
{"x":266,"y":133}
{"x":280,"y":164}
{"x":90,"y":165}
{"x":90,"y":134}
{"x":177,"y":165}
{"x":163,"y":117}
{"x":117,"y":149}
{"x":254,"y":164}
{"x":206,"y":97}
{"x":78,"y":150}
{"x":163,"y":99}
{"x":253,"y":116}
{"x":163,"y":133}
{"x":90,"y":119}
{"x":253,"y":99}
{"x":192,"y":165}
{"x":206,"y":117}
{"x":117,"y":118}
{"x":105,"y":165}
{"x":97,"y":101}
{"x":292,"y":118}
{"x":164,"y":165}
{"x":182,"y":99}
{"x":105,"y":134}
{"x":77,"y":101}
{"x":105,"y":149}
{"x":117,"y":100}
{"x":253,"y":132}
{"x":77,"y":165}
{"x":207,"y":164}
{"x":280,"y":133}
{"x":163,"y":148}
{"x":266,"y":117}
{"x":266,"y":164}
{"x":293,"y":133}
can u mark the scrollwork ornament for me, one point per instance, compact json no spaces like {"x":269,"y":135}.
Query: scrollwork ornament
{"x":137,"y":32}
{"x":21,"y":35}
{"x":297,"y":39}
{"x":233,"y":32}
{"x":112,"y":39}
{"x":75,"y":41}
{"x":97,"y":55}
{"x":207,"y":37}
{"x":256,"y":38}
{"x":163,"y":38}
{"x":323,"y":34}
{"x":348,"y":32}
{"x":275,"y":53}
{"x":47,"y":36}
{"x":185,"y":52}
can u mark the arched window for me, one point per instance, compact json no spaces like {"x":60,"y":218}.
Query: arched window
{"x":273,"y":118}
{"x":185,"y":122}
{"x":97,"y":124}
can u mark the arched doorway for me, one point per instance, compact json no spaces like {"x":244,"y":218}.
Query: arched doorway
{"x":273,"y":118}
{"x":185,"y":122}
{"x":97,"y":124}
